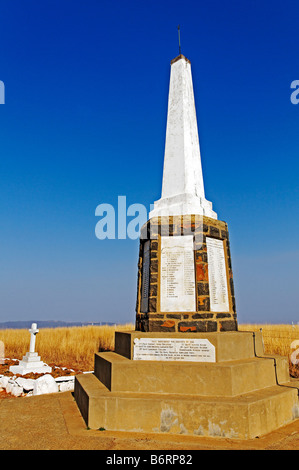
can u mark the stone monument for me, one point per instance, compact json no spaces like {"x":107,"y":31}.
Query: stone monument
{"x":185,"y":281}
{"x":186,"y":368}
{"x":31,"y":361}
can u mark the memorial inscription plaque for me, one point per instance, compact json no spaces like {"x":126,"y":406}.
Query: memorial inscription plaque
{"x":177,"y":274}
{"x":217,"y":276}
{"x":173,"y":349}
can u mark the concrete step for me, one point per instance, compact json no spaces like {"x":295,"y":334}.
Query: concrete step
{"x":229,"y":345}
{"x":230,"y":378}
{"x":243,"y":417}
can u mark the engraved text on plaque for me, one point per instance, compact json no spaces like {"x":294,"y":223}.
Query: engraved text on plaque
{"x":217,"y":276}
{"x":173,"y":349}
{"x":177,"y":274}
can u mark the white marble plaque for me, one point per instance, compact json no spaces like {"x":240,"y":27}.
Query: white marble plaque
{"x":145,"y":277}
{"x":173,"y":349}
{"x":217,"y":276}
{"x":177,"y":274}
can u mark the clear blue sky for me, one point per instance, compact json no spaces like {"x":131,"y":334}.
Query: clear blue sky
{"x":86,"y":88}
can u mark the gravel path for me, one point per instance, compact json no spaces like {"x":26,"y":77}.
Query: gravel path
{"x":54,"y":422}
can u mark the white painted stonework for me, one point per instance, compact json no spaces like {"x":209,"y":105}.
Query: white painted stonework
{"x":44,"y":385}
{"x":20,"y":386}
{"x":182,"y":188}
{"x":31,"y":362}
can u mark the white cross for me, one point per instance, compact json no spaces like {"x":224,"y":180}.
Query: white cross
{"x":33,"y":332}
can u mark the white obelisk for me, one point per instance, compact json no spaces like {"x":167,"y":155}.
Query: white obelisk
{"x":182,"y":188}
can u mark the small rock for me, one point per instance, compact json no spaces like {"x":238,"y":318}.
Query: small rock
{"x":4,"y":381}
{"x":11,"y":383}
{"x":16,"y":391}
{"x":26,"y":384}
{"x":66,"y":387}
{"x":45,"y":384}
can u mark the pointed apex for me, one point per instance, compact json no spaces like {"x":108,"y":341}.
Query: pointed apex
{"x":181,"y":56}
{"x":182,"y":187}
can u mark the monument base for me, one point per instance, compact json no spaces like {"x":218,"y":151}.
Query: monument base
{"x":31,"y":363}
{"x":185,"y":279}
{"x":241,"y":393}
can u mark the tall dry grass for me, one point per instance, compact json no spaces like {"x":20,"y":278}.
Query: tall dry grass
{"x":277,"y":338}
{"x":65,"y":347}
{"x":75,"y":347}
{"x":282,"y":340}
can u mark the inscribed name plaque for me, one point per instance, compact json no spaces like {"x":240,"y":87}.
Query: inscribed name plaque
{"x":173,"y":349}
{"x":177,"y":281}
{"x":145,"y":277}
{"x":217,"y":276}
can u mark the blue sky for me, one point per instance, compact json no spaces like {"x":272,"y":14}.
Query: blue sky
{"x":84,"y":120}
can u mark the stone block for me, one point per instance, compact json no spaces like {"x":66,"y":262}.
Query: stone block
{"x":243,"y":417}
{"x":243,"y":394}
{"x":230,"y":345}
{"x":222,"y":379}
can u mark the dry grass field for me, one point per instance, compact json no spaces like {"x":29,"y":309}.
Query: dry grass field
{"x":282,"y":340}
{"x":75,"y":347}
{"x":65,"y":347}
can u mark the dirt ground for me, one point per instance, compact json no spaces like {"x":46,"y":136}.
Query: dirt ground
{"x":53,"y":422}
{"x":56,"y":371}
